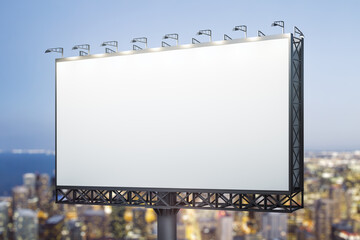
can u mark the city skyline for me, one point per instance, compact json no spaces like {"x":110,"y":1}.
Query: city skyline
{"x":27,"y":74}
{"x":332,"y":211}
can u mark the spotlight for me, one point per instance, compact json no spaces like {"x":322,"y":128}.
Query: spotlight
{"x":141,"y":40}
{"x":84,"y":47}
{"x":111,"y":44}
{"x":58,"y":50}
{"x":242,"y":28}
{"x":206,"y":32}
{"x":279,"y":24}
{"x":174,"y":36}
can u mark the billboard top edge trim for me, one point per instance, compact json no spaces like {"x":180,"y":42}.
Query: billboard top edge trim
{"x":185,"y":46}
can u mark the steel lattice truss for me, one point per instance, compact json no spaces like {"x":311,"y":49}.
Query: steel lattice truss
{"x":220,"y":200}
{"x":297,"y":115}
{"x":195,"y":200}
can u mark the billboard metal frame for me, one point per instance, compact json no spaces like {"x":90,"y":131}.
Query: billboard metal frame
{"x":236,"y":200}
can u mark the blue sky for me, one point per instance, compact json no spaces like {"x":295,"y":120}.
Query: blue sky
{"x":27,"y":28}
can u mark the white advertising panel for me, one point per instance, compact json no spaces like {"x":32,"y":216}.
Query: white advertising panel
{"x":209,"y":116}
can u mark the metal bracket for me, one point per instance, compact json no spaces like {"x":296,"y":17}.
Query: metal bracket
{"x":261,"y":34}
{"x":194,"y":41}
{"x":226,"y":37}
{"x":136,"y":47}
{"x":165,"y":44}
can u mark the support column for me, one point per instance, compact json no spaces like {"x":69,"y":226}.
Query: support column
{"x":166,"y":218}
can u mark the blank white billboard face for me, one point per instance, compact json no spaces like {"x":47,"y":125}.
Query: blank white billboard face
{"x":213,"y":117}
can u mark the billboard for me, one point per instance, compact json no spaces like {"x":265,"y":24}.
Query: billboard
{"x":212,"y":117}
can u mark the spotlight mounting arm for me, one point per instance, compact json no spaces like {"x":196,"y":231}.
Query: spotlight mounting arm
{"x":242,"y":28}
{"x":298,"y":32}
{"x":111,"y":44}
{"x":109,"y":50}
{"x":165,"y":44}
{"x":136,"y":47}
{"x":57,"y":50}
{"x":226,"y":37}
{"x":174,"y":36}
{"x":83,"y":53}
{"x":206,"y":32}
{"x":279,"y":24}
{"x":261,"y":34}
{"x":82,"y":46}
{"x":141,"y":40}
{"x":194,"y":41}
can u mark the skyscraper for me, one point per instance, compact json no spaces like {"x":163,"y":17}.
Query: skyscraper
{"x":324,"y":211}
{"x":274,"y":225}
{"x":95,"y":220}
{"x":30,"y":182}
{"x":224,"y":230}
{"x":74,"y":230}
{"x":43,"y":190}
{"x":4,"y":220}
{"x":25,"y":224}
{"x":53,"y":227}
{"x":20,"y":197}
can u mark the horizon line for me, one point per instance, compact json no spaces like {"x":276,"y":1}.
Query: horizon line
{"x":52,"y":152}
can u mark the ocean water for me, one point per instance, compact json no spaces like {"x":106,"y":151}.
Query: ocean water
{"x":13,"y":166}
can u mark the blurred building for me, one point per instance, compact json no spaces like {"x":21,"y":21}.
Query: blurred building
{"x":324,"y":210}
{"x":332,"y":211}
{"x":180,"y":229}
{"x":292,"y":227}
{"x":95,"y":221}
{"x":53,"y":227}
{"x":43,"y":190}
{"x":344,"y":231}
{"x":303,"y":234}
{"x":118,"y":222}
{"x":20,"y":196}
{"x":253,"y":237}
{"x":340,"y":198}
{"x":42,"y":183}
{"x":30,"y":182}
{"x":4,"y":220}
{"x":224,"y":229}
{"x":139,"y":226}
{"x":25,"y":224}
{"x":208,"y":233}
{"x":274,"y":225}
{"x":207,"y":221}
{"x":255,"y":221}
{"x":74,"y":230}
{"x":151,"y":220}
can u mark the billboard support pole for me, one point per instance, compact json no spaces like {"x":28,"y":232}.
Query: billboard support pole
{"x":166,"y":224}
{"x":166,"y":217}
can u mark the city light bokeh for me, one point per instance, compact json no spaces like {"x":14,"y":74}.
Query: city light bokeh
{"x":332,"y":211}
